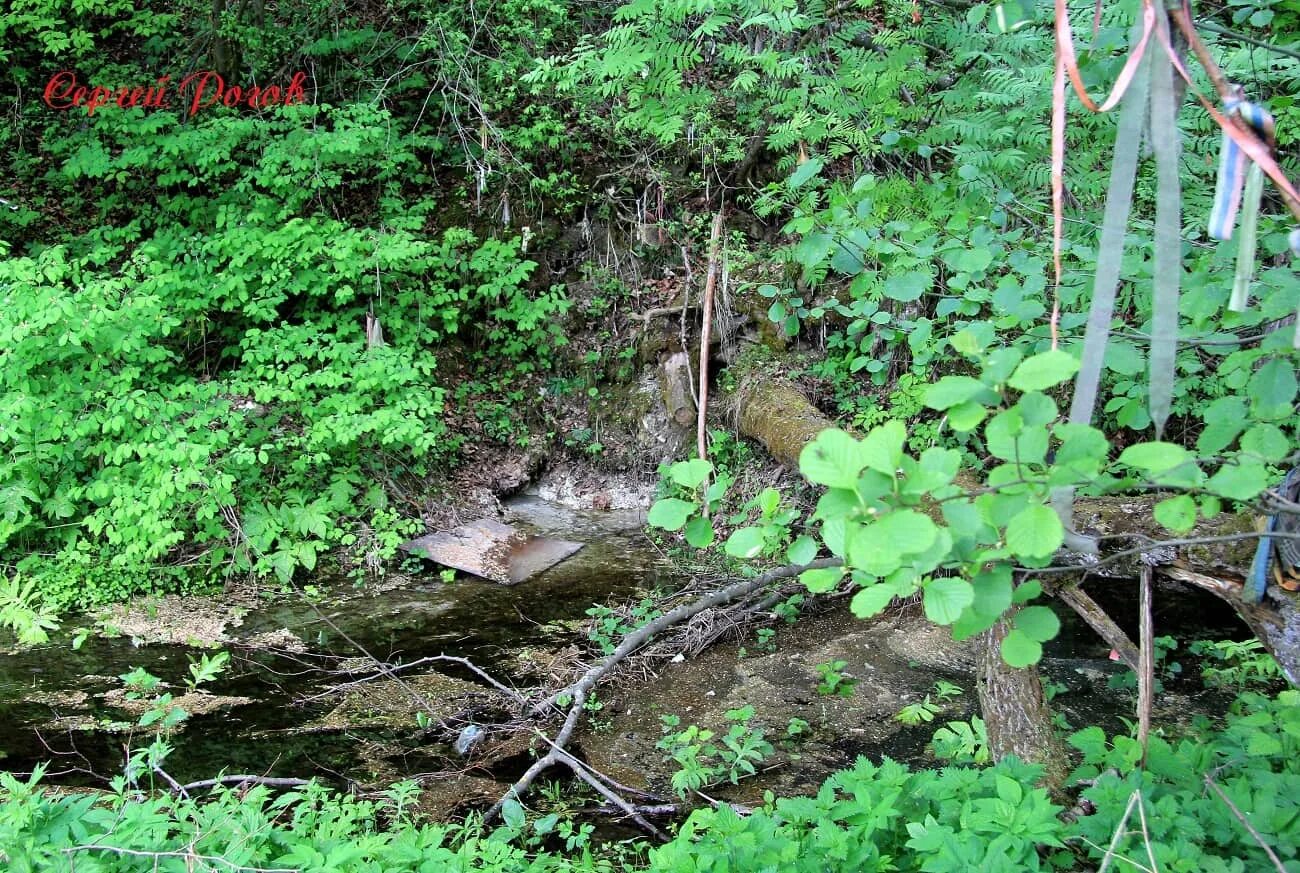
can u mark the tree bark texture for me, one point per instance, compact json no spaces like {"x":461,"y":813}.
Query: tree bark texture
{"x":1015,"y":710}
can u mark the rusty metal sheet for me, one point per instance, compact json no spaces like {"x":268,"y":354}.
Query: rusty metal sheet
{"x":493,"y":550}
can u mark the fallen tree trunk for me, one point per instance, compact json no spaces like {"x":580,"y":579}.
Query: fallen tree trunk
{"x":778,"y":415}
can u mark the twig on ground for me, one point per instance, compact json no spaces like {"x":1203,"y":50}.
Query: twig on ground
{"x":247,"y":779}
{"x":577,"y":692}
{"x":386,"y":671}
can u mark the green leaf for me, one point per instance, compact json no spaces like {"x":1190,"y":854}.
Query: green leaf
{"x":872,"y":600}
{"x":1038,"y":623}
{"x":907,"y":287}
{"x":1273,"y":386}
{"x":834,"y":459}
{"x":1242,"y":481}
{"x":1044,"y":370}
{"x":1035,"y":532}
{"x":953,"y":390}
{"x":1019,"y":650}
{"x":946,"y":598}
{"x":966,"y":416}
{"x":670,"y":513}
{"x":1155,"y":457}
{"x":804,"y":172}
{"x":512,"y":813}
{"x":879,"y":547}
{"x":1261,"y":745}
{"x":1177,"y":514}
{"x":971,"y":623}
{"x":882,"y":449}
{"x":1267,"y":441}
{"x":1027,"y":591}
{"x":992,"y":588}
{"x":967,"y":342}
{"x":1036,"y":408}
{"x":699,"y":532}
{"x":745,"y":542}
{"x":802,"y":550}
{"x":822,"y":580}
{"x":690,"y":474}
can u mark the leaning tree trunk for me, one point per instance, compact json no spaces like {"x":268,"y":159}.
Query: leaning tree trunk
{"x":777,"y":414}
{"x":1016,"y":712}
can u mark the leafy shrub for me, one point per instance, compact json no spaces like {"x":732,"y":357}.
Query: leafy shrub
{"x":1252,"y":761}
{"x":880,"y":817}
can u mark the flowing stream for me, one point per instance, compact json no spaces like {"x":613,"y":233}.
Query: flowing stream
{"x":65,"y":706}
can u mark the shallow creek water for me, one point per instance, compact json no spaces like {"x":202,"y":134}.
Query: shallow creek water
{"x":64,"y":706}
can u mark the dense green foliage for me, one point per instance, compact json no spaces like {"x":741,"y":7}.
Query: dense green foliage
{"x":191,"y":383}
{"x":868,"y":817}
{"x":233,"y":339}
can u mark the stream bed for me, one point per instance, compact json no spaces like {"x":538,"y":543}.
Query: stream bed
{"x":272,"y":711}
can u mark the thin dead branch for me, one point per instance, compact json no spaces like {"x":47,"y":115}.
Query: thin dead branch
{"x":1245,"y":822}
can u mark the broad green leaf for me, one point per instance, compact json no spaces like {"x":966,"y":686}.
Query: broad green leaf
{"x":1273,"y":386}
{"x":1038,"y":623}
{"x":1035,"y":532}
{"x":952,"y":390}
{"x":1000,"y":363}
{"x":970,"y":623}
{"x":834,"y":459}
{"x":822,"y":580}
{"x":1261,"y":744}
{"x":1044,"y":370}
{"x":1155,"y":457}
{"x":802,"y":550}
{"x":872,"y":600}
{"x":1036,"y":408}
{"x":1081,"y":445}
{"x":745,"y":542}
{"x":670,"y":513}
{"x":966,"y":416}
{"x":1224,"y":419}
{"x":699,"y":532}
{"x":804,"y":172}
{"x":1267,"y":441}
{"x":992,"y":589}
{"x":836,"y":503}
{"x":1243,"y":480}
{"x":836,"y":534}
{"x":1027,"y":591}
{"x":882,"y":449}
{"x":1124,"y":358}
{"x":1019,"y":650}
{"x":881,"y":547}
{"x":1009,"y":438}
{"x":969,"y":341}
{"x":946,"y":598}
{"x":907,"y":286}
{"x":690,"y":474}
{"x":1177,"y":514}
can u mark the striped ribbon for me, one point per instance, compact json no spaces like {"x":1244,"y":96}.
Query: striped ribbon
{"x":1233,"y":164}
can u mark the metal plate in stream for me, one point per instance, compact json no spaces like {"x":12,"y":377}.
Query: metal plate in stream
{"x":493,"y":550}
